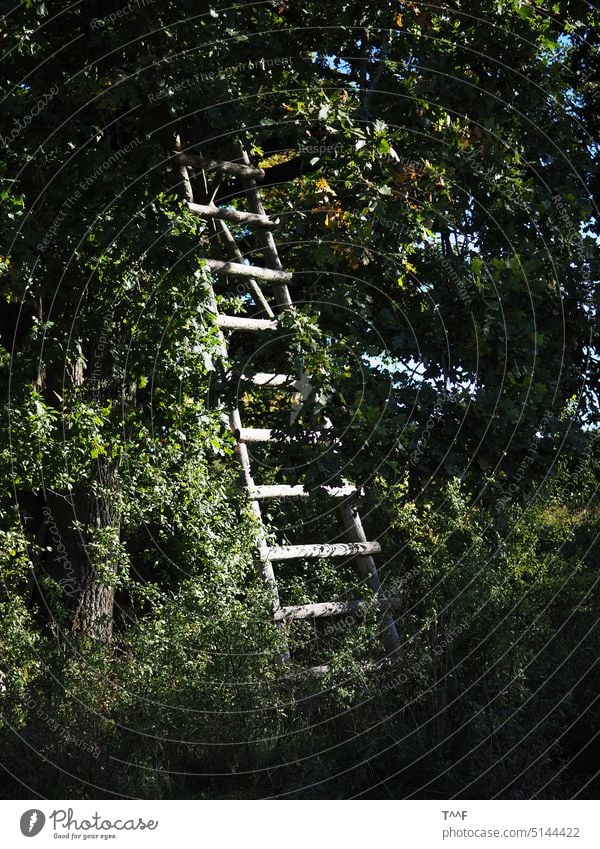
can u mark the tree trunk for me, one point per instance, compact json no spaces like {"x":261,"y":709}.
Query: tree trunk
{"x":83,"y":524}
{"x":83,"y":534}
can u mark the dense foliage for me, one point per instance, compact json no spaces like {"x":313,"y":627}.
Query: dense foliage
{"x":437,"y":190}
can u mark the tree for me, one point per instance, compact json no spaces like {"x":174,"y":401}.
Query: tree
{"x":435,"y":172}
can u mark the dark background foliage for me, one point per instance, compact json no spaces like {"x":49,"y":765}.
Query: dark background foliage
{"x":435,"y":171}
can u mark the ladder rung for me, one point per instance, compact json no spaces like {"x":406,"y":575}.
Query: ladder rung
{"x":298,"y":491}
{"x":235,"y":216}
{"x":240,"y":269}
{"x":233,"y":168}
{"x":255,"y":434}
{"x":307,"y":672}
{"x":264,"y":434}
{"x":266,"y":379}
{"x":335,"y":608}
{"x":234,"y":322}
{"x":338,"y":549}
{"x":322,"y":669}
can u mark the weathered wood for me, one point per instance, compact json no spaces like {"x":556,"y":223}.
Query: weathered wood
{"x":235,"y":254}
{"x":298,"y":491}
{"x":234,"y":322}
{"x":267,"y":379}
{"x":298,"y":675}
{"x":266,"y":565}
{"x":235,"y":216}
{"x":265,"y":237}
{"x":232,"y":168}
{"x":213,"y":189}
{"x":235,"y":424}
{"x":316,"y":550}
{"x":368,"y":569}
{"x":265,"y":434}
{"x":315,"y":671}
{"x":335,"y":608}
{"x":188,"y":192}
{"x":355,"y":533}
{"x":238,"y":269}
{"x":358,"y":546}
{"x":255,"y":434}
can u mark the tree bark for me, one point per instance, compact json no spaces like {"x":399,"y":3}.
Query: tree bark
{"x":83,"y":534}
{"x":83,"y":524}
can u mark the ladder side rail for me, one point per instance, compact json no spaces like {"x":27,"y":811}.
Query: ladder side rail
{"x":265,"y":237}
{"x":366,"y":566}
{"x":235,"y":254}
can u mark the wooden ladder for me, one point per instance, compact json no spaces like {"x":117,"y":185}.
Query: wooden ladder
{"x":221,"y":219}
